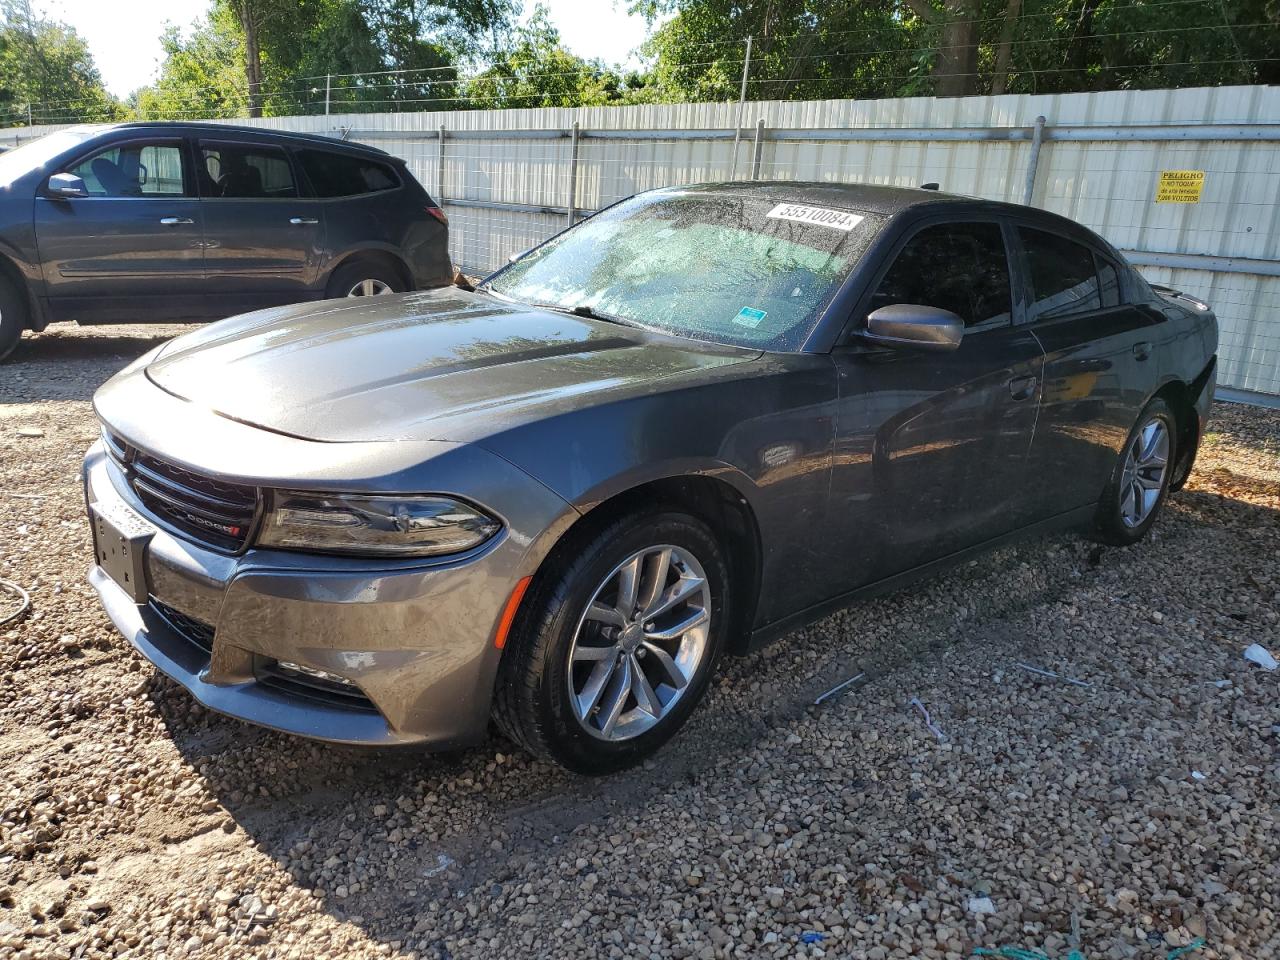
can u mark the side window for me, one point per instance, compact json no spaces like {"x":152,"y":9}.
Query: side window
{"x":961,"y":267}
{"x":1109,"y":282}
{"x":240,"y":171}
{"x":134,"y":170}
{"x":344,"y":175}
{"x":1063,"y":278}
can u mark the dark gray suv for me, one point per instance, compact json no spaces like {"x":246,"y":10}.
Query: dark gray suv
{"x":142,"y":222}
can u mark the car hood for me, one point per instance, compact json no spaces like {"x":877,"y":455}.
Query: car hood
{"x":437,"y":365}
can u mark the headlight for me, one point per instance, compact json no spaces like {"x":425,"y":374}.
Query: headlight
{"x":381,"y":526}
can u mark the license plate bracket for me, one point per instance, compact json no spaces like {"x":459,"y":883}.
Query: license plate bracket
{"x":120,"y":547}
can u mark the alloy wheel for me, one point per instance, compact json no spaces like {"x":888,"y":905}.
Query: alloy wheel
{"x":639,"y":643}
{"x":369,"y":288}
{"x":1144,"y":468}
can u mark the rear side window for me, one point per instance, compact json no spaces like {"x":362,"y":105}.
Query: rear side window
{"x":961,"y":267}
{"x":1109,"y":281}
{"x":343,"y":175}
{"x":241,"y":171}
{"x":1063,"y":278}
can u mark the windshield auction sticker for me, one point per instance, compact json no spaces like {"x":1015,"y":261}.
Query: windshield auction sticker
{"x":818,"y":216}
{"x":1180,"y":186}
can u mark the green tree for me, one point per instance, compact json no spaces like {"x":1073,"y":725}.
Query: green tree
{"x":274,"y":57}
{"x":201,"y":76}
{"x":805,"y":49}
{"x":535,"y":70}
{"x":46,"y":66}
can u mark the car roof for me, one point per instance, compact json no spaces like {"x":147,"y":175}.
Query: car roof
{"x":230,"y":128}
{"x":889,"y":201}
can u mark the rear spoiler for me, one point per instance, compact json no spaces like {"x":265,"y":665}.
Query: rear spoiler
{"x":1178,"y":295}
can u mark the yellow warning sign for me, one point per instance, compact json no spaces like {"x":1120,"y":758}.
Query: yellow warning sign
{"x":1180,"y":186}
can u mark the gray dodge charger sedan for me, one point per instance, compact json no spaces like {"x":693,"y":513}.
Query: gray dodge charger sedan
{"x":703,"y":417}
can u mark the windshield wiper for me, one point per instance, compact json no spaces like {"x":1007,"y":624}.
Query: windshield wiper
{"x":582,"y":310}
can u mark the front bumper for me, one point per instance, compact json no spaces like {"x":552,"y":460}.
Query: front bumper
{"x":415,"y":642}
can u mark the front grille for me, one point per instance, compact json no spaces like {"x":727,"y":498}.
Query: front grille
{"x":197,"y":632}
{"x":212,"y":511}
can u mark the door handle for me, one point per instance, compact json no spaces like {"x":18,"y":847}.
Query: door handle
{"x":1142,"y":350}
{"x":302,"y":221}
{"x":1022,"y":388}
{"x":174,"y":221}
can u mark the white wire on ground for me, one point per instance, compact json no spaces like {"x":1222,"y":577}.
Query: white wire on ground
{"x":14,"y":590}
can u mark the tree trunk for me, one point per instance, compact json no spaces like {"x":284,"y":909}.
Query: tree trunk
{"x":1004,"y":51}
{"x":252,"y":56}
{"x":957,"y":67}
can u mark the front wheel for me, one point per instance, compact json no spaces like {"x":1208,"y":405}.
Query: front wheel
{"x":13,"y":317}
{"x":1140,"y":484}
{"x":616,"y":643}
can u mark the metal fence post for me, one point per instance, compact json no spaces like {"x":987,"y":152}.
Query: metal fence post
{"x":440,"y":170}
{"x":328,"y":86}
{"x":29,"y":123}
{"x":572,"y":205}
{"x":742,"y":97}
{"x":757,"y":150}
{"x":1033,"y":162}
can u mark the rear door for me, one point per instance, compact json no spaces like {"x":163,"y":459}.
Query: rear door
{"x":263,"y":240}
{"x":133,"y":248}
{"x":931,"y":448}
{"x":1099,"y":368}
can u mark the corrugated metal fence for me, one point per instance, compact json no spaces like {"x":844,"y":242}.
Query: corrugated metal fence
{"x":510,"y":178}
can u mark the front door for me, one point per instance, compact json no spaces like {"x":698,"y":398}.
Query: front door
{"x":931,"y":448}
{"x":133,"y":248}
{"x":263,"y":241}
{"x":1099,"y":368}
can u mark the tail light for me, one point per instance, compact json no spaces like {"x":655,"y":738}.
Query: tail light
{"x":439,"y":215}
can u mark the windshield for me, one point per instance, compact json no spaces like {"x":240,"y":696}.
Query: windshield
{"x":31,"y":156}
{"x":749,"y":271}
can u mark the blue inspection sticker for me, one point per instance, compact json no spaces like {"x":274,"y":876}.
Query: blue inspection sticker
{"x":750,"y":317}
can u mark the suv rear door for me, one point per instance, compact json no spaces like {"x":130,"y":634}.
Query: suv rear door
{"x":1098,"y":366}
{"x":133,"y":248}
{"x":264,"y":240}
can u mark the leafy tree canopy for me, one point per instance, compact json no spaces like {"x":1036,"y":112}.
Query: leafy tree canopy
{"x":47,"y":65}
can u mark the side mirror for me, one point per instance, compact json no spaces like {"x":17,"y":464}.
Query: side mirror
{"x":915,"y":325}
{"x":67,"y":185}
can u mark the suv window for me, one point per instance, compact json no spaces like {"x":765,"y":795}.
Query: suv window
{"x":134,"y":170}
{"x":961,"y":267}
{"x":240,"y":171}
{"x":344,"y":175}
{"x":1064,"y":280}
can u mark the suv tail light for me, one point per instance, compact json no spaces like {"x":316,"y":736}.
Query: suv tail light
{"x":439,"y":215}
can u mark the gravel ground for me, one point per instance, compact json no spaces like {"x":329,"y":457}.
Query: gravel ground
{"x":1139,"y":808}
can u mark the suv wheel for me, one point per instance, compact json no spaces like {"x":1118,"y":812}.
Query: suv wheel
{"x":364,"y":278}
{"x":616,"y":644}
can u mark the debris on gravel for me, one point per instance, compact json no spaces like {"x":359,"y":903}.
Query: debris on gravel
{"x":1062,"y":801}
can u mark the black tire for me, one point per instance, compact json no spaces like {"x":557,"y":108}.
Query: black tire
{"x":13,"y":316}
{"x":532,"y":700}
{"x":1110,"y":526}
{"x":351,"y":275}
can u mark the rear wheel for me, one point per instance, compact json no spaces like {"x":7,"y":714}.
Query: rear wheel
{"x":616,"y":644}
{"x":1140,"y":484}
{"x":13,"y":316}
{"x":364,"y":278}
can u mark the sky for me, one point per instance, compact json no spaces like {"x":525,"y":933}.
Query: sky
{"x":124,"y":35}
